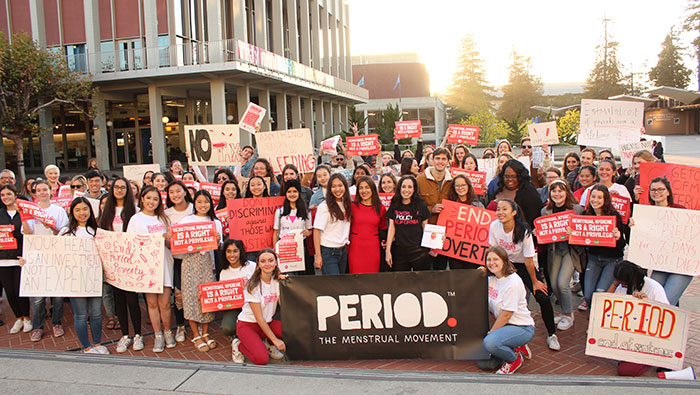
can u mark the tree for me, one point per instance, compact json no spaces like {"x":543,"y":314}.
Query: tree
{"x":605,"y":79}
{"x":692,"y":24}
{"x":490,"y":127}
{"x":523,"y":90}
{"x":469,"y":92}
{"x":385,"y":123}
{"x":516,"y":129}
{"x":32,"y":79}
{"x":568,"y":125}
{"x":356,"y":117}
{"x":670,"y":70}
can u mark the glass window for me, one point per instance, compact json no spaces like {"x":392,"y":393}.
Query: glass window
{"x":427,"y":116}
{"x":107,"y":56}
{"x":76,"y":57}
{"x":164,"y":50}
{"x":410,"y":114}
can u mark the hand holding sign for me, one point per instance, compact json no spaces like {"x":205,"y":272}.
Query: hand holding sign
{"x":252,"y":118}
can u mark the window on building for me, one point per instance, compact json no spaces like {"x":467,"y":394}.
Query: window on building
{"x":164,"y":50}
{"x":107,"y":56}
{"x":76,"y":57}
{"x":130,"y":54}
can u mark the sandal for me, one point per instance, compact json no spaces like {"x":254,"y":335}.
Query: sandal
{"x":199,"y":344}
{"x":110,"y":323}
{"x":211,"y":343}
{"x":116,"y":324}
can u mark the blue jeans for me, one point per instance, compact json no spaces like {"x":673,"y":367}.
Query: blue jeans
{"x":108,"y":300}
{"x":81,"y":308}
{"x":502,"y":342}
{"x":674,"y":284}
{"x":335,"y":260}
{"x":39,"y":312}
{"x":599,"y":275}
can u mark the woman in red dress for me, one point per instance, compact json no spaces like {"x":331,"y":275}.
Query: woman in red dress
{"x":368,"y":220}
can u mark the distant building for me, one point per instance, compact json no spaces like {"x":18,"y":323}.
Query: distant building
{"x":675,"y":111}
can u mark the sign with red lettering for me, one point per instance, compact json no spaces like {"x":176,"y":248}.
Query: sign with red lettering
{"x":385,"y":198}
{"x":627,"y":151}
{"x":213,"y":189}
{"x":543,"y":133}
{"x":64,"y":203}
{"x":64,"y":191}
{"x":463,"y":134}
{"x":283,"y":147}
{"x":685,"y":182}
{"x":252,"y":117}
{"x":193,"y":237}
{"x":407,"y":129}
{"x":328,"y":146}
{"x":593,"y":230}
{"x":478,"y":178}
{"x":622,"y":205}
{"x":642,"y":331}
{"x":363,"y":145}
{"x":221,"y":295}
{"x":466,"y":231}
{"x":252,"y":220}
{"x":192,"y":184}
{"x":553,"y":228}
{"x":7,"y":239}
{"x":164,"y":199}
{"x":31,"y":210}
{"x":213,"y":145}
{"x":222,"y":215}
{"x":290,"y":252}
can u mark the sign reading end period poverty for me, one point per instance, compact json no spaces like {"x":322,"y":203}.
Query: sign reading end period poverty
{"x":685,"y":182}
{"x":290,"y":251}
{"x":221,"y":295}
{"x":252,"y":117}
{"x":478,"y":178}
{"x":60,"y":266}
{"x":213,"y":145}
{"x":636,"y":330}
{"x":407,"y":129}
{"x":463,"y":134}
{"x":543,"y":133}
{"x":593,"y":230}
{"x":31,"y":210}
{"x":385,"y":315}
{"x":363,"y":145}
{"x":553,"y":228}
{"x":252,"y":220}
{"x":466,"y":231}
{"x":283,"y":147}
{"x":193,"y":237}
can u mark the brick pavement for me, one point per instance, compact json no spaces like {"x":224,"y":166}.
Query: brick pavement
{"x":571,"y":360}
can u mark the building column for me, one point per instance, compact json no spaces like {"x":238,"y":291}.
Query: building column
{"x":326,"y":47}
{"x":36,"y":16}
{"x":260,"y":24}
{"x":305,"y":33}
{"x":327,"y":118}
{"x":334,"y":43}
{"x":92,"y":36}
{"x":293,"y":30}
{"x":48,"y":149}
{"x":155,"y":110}
{"x":366,"y":123}
{"x":281,"y":121}
{"x":277,"y":25}
{"x":341,"y":42}
{"x":344,"y":125}
{"x":215,"y":31}
{"x":336,"y":118}
{"x":100,"y":131}
{"x":295,"y":101}
{"x":242,"y":100}
{"x":217,"y":89}
{"x":264,"y":102}
{"x":150,"y":16}
{"x":315,"y":28}
{"x":348,"y":57}
{"x":308,"y":116}
{"x":239,"y":20}
{"x":320,"y":123}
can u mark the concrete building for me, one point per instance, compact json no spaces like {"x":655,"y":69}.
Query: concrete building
{"x":162,"y":64}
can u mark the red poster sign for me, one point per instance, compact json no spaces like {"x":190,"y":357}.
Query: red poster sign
{"x":64,"y":191}
{"x":64,"y":203}
{"x":466,"y":231}
{"x":622,"y":205}
{"x":553,"y":228}
{"x":478,"y":178}
{"x":213,"y":189}
{"x":463,"y":134}
{"x":7,"y":240}
{"x":30,"y":210}
{"x":221,"y":295}
{"x":407,"y":129}
{"x":193,"y":237}
{"x":363,"y":145}
{"x":685,"y":182}
{"x":222,"y":215}
{"x":386,"y":199}
{"x":252,"y":220}
{"x":593,"y":230}
{"x":164,"y":199}
{"x":192,"y":184}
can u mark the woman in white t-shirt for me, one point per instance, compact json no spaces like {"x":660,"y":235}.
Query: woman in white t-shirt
{"x":255,"y":321}
{"x":514,"y":327}
{"x":293,"y":215}
{"x":512,"y":232}
{"x":606,"y":174}
{"x":332,"y":227}
{"x":152,"y":219}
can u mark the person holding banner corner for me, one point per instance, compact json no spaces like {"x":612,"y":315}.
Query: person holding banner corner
{"x":332,"y":227}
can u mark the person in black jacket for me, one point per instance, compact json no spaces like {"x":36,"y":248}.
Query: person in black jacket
{"x":514,"y":183}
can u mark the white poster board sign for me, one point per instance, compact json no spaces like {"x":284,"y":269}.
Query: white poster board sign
{"x":252,"y":118}
{"x":283,"y":147}
{"x":136,"y":172}
{"x":213,"y":145}
{"x":290,"y":250}
{"x":627,"y":151}
{"x":543,"y":133}
{"x":609,"y":123}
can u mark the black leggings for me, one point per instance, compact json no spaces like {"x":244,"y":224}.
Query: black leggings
{"x":177,"y":285}
{"x":124,"y":300}
{"x":405,"y":259}
{"x":9,"y":278}
{"x":540,"y":297}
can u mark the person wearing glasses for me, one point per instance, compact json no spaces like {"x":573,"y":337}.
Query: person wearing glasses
{"x":94,"y":184}
{"x":537,"y":174}
{"x":7,"y":177}
{"x":78,"y":183}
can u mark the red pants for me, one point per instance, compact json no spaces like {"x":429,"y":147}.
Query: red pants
{"x":251,"y":336}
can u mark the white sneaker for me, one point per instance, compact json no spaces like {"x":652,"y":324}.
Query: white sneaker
{"x":169,"y":339}
{"x":27,"y":325}
{"x":583,"y":306}
{"x":553,"y":343}
{"x":273,"y":351}
{"x":235,"y":353}
{"x":17,"y":326}
{"x":180,"y":334}
{"x":558,"y":318}
{"x":123,"y":344}
{"x":566,"y":322}
{"x":158,"y":343}
{"x":101,"y":349}
{"x":92,"y":350}
{"x":138,"y":343}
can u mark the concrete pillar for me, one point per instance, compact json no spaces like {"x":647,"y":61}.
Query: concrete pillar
{"x":48,"y":149}
{"x":366,"y":124}
{"x":242,"y":100}
{"x":348,"y":54}
{"x":336,"y":118}
{"x":36,"y":16}
{"x":321,"y":129}
{"x":306,"y":50}
{"x":323,"y":12}
{"x":277,"y":26}
{"x":344,"y":118}
{"x":293,"y":30}
{"x":281,"y":121}
{"x":215,"y":31}
{"x":308,"y":116}
{"x":295,"y":102}
{"x":150,"y":16}
{"x":342,"y":50}
{"x":264,"y":102}
{"x":155,"y":109}
{"x":92,"y":36}
{"x":315,"y":29}
{"x":334,"y":44}
{"x":260,"y":24}
{"x":327,"y":118}
{"x":239,"y":20}
{"x":101,"y":132}
{"x":217,"y":90}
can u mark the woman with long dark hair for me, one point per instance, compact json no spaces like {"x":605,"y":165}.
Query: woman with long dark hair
{"x":320,"y":181}
{"x":368,"y":224}
{"x":514,"y":183}
{"x":408,"y":214}
{"x":229,"y":190}
{"x":257,"y":188}
{"x":332,"y":227}
{"x":290,"y":172}
{"x":409,"y":167}
{"x":262,"y":168}
{"x":293,"y":215}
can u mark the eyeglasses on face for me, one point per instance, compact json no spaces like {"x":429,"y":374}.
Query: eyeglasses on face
{"x":658,"y":190}
{"x":526,"y":146}
{"x":119,"y":187}
{"x":76,"y":186}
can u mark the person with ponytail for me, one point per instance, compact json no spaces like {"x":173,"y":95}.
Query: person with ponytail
{"x":332,"y":227}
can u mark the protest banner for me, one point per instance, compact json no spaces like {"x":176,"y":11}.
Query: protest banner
{"x":214,"y":190}
{"x":593,"y":230}
{"x":627,"y":151}
{"x":489,"y":166}
{"x":385,"y":198}
{"x":407,"y":129}
{"x":283,"y":147}
{"x":622,"y":205}
{"x":7,"y":239}
{"x":609,"y":123}
{"x":252,"y":221}
{"x":666,"y":239}
{"x":64,"y":191}
{"x":132,"y":261}
{"x":60,"y":266}
{"x":63,"y":203}
{"x":290,"y":252}
{"x":221,"y":295}
{"x":386,"y":315}
{"x":362,"y":145}
{"x":543,"y":133}
{"x":328,"y":146}
{"x":252,"y":117}
{"x":462,"y":134}
{"x":136,"y":172}
{"x":553,"y":228}
{"x":31,"y":210}
{"x":193,"y":237}
{"x":213,"y":145}
{"x":685,"y":182}
{"x":478,"y":178}
{"x":192,"y":184}
{"x":466,"y":231}
{"x":642,"y":331}
{"x":222,"y":215}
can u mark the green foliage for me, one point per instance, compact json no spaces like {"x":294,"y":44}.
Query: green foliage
{"x":605,"y":80}
{"x":356,"y":117}
{"x":385,"y":124}
{"x":490,"y":127}
{"x":523,"y":90}
{"x":568,"y":125}
{"x":469,"y":92}
{"x":692,"y":24}
{"x":516,"y":129}
{"x":670,"y":70}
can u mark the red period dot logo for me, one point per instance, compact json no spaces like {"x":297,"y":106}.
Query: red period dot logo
{"x":679,"y":354}
{"x":452,"y":322}
{"x":591,"y":340}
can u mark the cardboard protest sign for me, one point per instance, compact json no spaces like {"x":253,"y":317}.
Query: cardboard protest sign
{"x":60,"y":266}
{"x":478,"y":178}
{"x":489,"y":166}
{"x":543,"y":133}
{"x":666,"y":239}
{"x":283,"y":147}
{"x":642,"y":331}
{"x":132,"y":261}
{"x":193,"y":237}
{"x":363,"y":145}
{"x":136,"y":172}
{"x":627,"y":151}
{"x":252,"y":117}
{"x":222,"y":215}
{"x":609,"y":123}
{"x":386,"y":199}
{"x":685,"y":182}
{"x":221,"y":295}
{"x":31,"y":210}
{"x":7,"y":239}
{"x":622,"y":205}
{"x":407,"y":129}
{"x":64,"y":191}
{"x":213,"y":145}
{"x":252,"y":221}
{"x":466,"y":231}
{"x":63,"y":203}
{"x":593,"y":230}
{"x":329,"y":146}
{"x":463,"y":134}
{"x":290,"y":252}
{"x":553,"y":228}
{"x":433,"y":237}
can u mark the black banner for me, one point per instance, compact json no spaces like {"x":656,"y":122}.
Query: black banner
{"x":430,"y":315}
